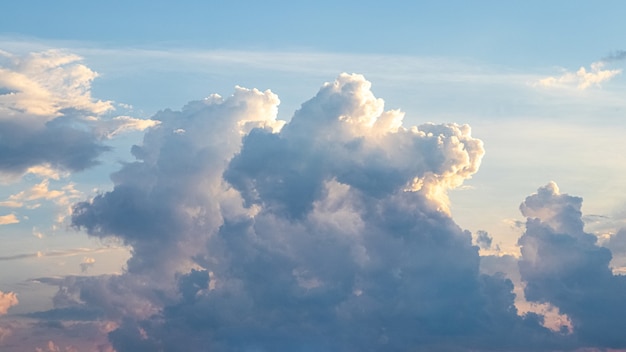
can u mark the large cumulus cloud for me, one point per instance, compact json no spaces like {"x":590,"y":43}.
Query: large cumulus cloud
{"x":327,"y":233}
{"x":562,"y":265}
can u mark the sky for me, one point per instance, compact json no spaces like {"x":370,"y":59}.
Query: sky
{"x":312,"y":176}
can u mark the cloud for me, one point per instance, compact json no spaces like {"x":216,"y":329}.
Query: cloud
{"x":37,"y":192}
{"x":49,"y":122}
{"x":120,"y":124}
{"x":87,"y":263}
{"x":327,"y":233}
{"x":483,"y":240}
{"x":618,"y":55}
{"x":56,"y":253}
{"x":562,"y":265}
{"x":46,"y":83}
{"x":7,"y":300}
{"x":50,"y":336}
{"x":581,"y":79}
{"x":8,"y":219}
{"x":617,"y":243}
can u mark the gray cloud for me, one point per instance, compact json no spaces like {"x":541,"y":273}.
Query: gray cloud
{"x":48,"y":117}
{"x":58,"y":144}
{"x":617,"y":243}
{"x":617,"y":55}
{"x":331,"y":233}
{"x":483,"y":240}
{"x":563,"y":265}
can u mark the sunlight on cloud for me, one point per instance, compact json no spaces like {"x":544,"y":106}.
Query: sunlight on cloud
{"x":32,"y":197}
{"x":8,"y":219}
{"x":47,"y":82}
{"x":110,"y":128}
{"x":581,"y":79}
{"x":334,"y":221}
{"x":7,"y":300}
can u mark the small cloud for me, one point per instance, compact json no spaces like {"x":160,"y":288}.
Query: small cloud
{"x":30,"y":198}
{"x":87,"y":263}
{"x":38,"y":233}
{"x":11,"y":204}
{"x":46,"y":171}
{"x":8,"y":219}
{"x":7,"y":300}
{"x":110,"y":128}
{"x":581,"y":79}
{"x":618,"y":55}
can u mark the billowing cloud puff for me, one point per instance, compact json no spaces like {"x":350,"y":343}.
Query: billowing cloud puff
{"x":562,"y":265}
{"x":7,"y":300}
{"x":48,"y":119}
{"x":582,"y":79}
{"x":326,"y":233}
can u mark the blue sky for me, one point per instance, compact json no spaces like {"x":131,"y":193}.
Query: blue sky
{"x":120,"y":170}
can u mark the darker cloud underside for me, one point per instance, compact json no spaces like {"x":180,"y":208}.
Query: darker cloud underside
{"x":328,"y":234}
{"x":59,"y":143}
{"x":563,"y":265}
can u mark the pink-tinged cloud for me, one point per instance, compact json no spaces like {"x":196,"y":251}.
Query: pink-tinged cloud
{"x":7,"y":300}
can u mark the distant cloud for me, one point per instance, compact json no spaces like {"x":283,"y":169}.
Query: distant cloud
{"x":49,"y":122}
{"x":7,"y":300}
{"x":562,"y":265}
{"x":617,"y":242}
{"x":582,"y":79}
{"x":87,"y":263}
{"x":55,"y":253}
{"x":54,"y":336}
{"x":618,"y":55}
{"x":120,"y":124}
{"x":483,"y":240}
{"x":8,"y":219}
{"x":31,"y":198}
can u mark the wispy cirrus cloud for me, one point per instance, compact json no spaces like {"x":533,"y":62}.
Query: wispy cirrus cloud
{"x":58,"y":253}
